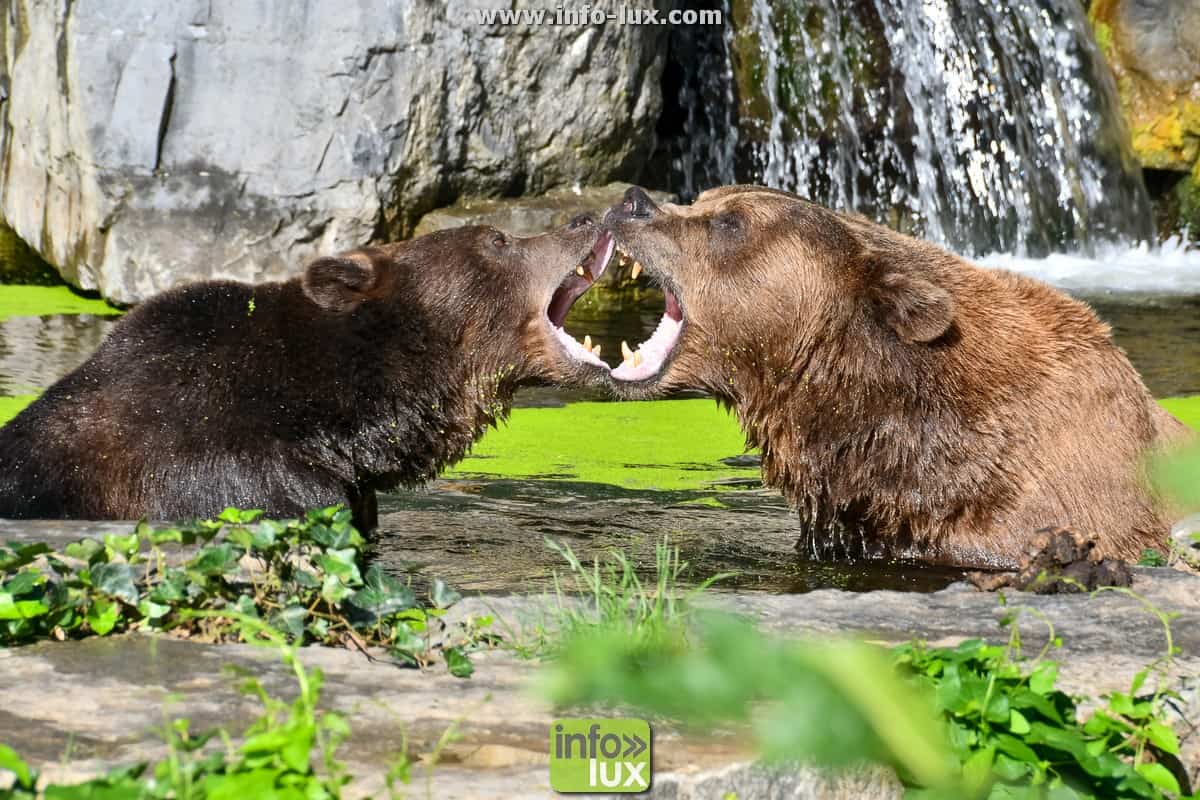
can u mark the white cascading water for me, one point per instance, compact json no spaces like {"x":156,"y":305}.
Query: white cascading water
{"x":985,"y":126}
{"x":989,"y":127}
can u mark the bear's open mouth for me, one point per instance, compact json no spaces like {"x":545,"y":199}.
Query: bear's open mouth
{"x":648,"y":358}
{"x":639,"y":364}
{"x":571,"y":289}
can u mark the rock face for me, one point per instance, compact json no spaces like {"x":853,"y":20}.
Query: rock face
{"x":144,"y":144}
{"x":526,"y":216}
{"x":1153,"y":47}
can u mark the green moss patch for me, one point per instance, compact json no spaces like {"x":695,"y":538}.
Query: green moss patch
{"x":1185,"y":409}
{"x":11,"y":406}
{"x":38,"y":301}
{"x":663,"y":444}
{"x":669,"y":445}
{"x":20,"y":263}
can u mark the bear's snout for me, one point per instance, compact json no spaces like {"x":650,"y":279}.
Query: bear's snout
{"x":635,"y":205}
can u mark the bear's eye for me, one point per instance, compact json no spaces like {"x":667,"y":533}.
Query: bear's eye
{"x":499,"y":241}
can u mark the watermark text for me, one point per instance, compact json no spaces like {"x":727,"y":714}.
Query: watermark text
{"x":595,"y":15}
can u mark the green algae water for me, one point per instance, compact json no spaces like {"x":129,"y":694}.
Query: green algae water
{"x":665,"y":445}
{"x":43,"y":301}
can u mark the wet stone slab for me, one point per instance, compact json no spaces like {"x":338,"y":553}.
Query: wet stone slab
{"x":103,"y":699}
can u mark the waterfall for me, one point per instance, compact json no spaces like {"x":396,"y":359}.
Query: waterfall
{"x":984,"y":125}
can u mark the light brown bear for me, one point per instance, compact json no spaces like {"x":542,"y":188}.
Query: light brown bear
{"x":908,"y":403}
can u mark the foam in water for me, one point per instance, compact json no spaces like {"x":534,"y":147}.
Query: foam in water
{"x":1172,"y":268}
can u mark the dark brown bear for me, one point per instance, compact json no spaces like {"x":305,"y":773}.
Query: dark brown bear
{"x":908,"y":403}
{"x":372,"y":370}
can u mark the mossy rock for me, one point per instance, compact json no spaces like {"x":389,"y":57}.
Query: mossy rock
{"x":1154,"y":52}
{"x":19,"y":263}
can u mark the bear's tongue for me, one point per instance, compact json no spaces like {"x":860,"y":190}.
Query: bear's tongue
{"x":647,"y":360}
{"x":571,"y":289}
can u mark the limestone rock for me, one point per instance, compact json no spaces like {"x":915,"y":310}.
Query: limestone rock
{"x":145,"y":144}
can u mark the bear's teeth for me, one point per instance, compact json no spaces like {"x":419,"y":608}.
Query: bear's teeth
{"x":637,"y":358}
{"x":626,"y":353}
{"x":596,"y":351}
{"x":587,"y":342}
{"x":637,"y":270}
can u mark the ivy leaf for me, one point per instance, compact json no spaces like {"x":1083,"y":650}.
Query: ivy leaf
{"x":1159,"y":776}
{"x":998,"y":709}
{"x":977,"y":770}
{"x":116,"y":580}
{"x":16,"y":555}
{"x":152,"y":610}
{"x":339,"y":535}
{"x":1121,"y":703}
{"x":89,"y":550}
{"x":342,"y":563}
{"x":458,"y":663}
{"x":125,"y":546}
{"x":1017,"y":722}
{"x":24,"y":582}
{"x":217,"y":559}
{"x":236,"y":516}
{"x":1163,"y":737}
{"x":291,"y":621}
{"x":319,"y":628}
{"x":172,"y":588}
{"x":442,"y":595}
{"x":1043,"y":678}
{"x":305,"y":579}
{"x":10,"y":761}
{"x":406,"y":644}
{"x":11,"y":608}
{"x":102,"y":616}
{"x":266,"y":533}
{"x":334,"y":591}
{"x":246,"y":607}
{"x":1016,"y":748}
{"x":382,"y":594}
{"x":292,"y":744}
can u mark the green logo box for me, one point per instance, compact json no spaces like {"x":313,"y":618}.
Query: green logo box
{"x":600,"y":755}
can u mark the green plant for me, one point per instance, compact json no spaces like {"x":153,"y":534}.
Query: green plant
{"x":1017,"y":736}
{"x":836,"y":703}
{"x":609,"y":596}
{"x":1152,"y":558}
{"x":288,"y":753}
{"x":972,"y":721}
{"x":303,"y":578}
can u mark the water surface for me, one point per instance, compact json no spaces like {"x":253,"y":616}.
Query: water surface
{"x":490,"y":536}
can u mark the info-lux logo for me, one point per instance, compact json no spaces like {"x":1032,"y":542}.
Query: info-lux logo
{"x":608,"y":755}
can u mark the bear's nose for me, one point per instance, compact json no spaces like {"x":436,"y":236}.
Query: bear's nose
{"x":637,"y":203}
{"x":581,"y":221}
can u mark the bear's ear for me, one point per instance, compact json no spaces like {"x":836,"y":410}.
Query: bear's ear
{"x":916,"y":309}
{"x":339,"y":283}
